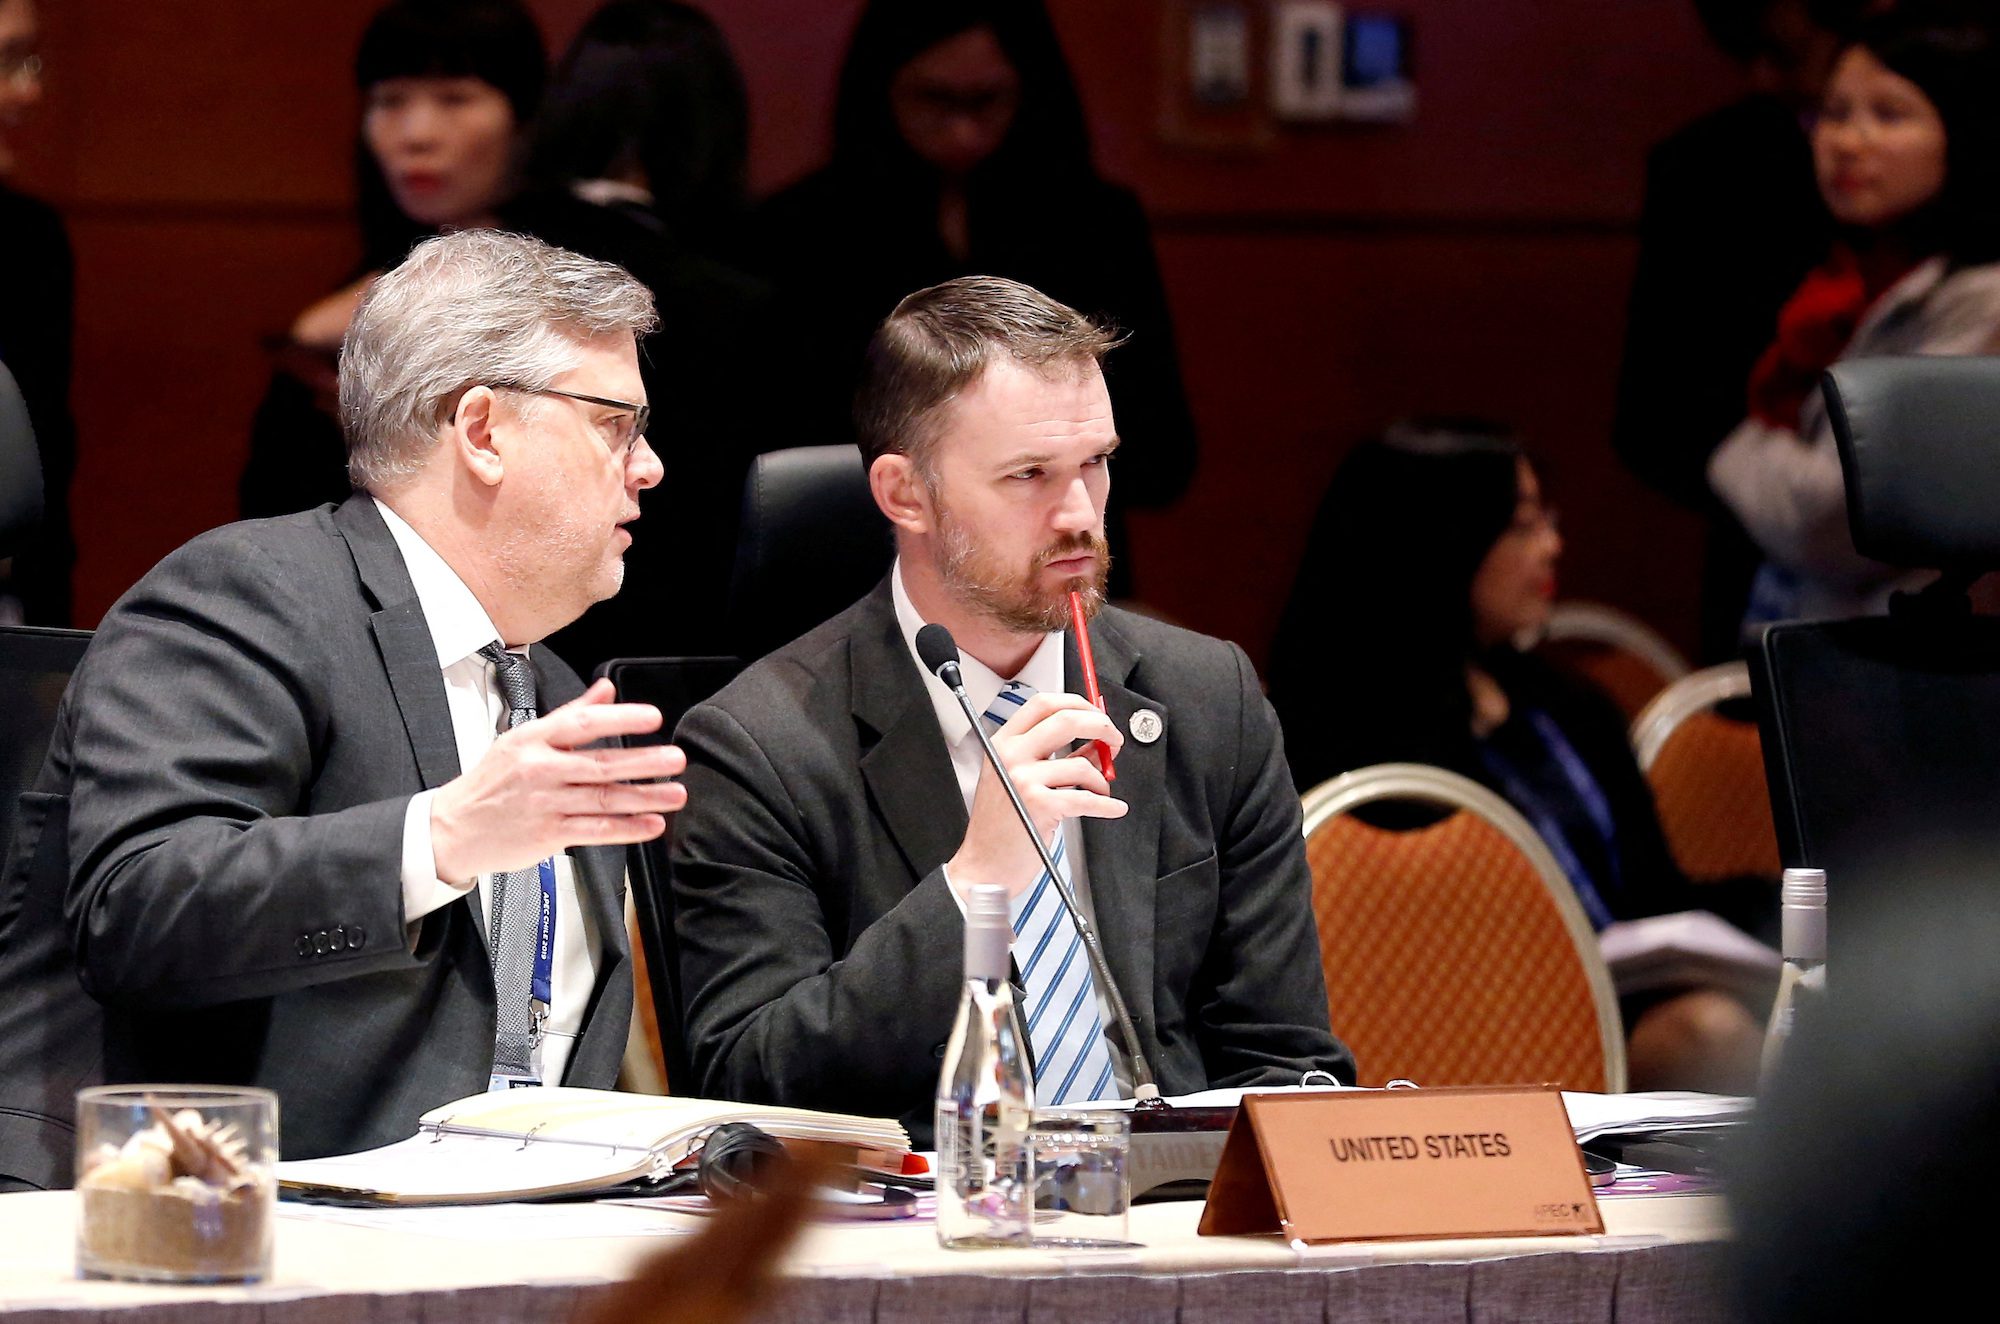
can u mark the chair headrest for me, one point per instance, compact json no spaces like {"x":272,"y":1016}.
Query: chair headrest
{"x":812,"y":542}
{"x":20,"y":468}
{"x":1918,"y":439}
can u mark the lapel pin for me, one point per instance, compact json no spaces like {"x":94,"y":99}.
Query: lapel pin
{"x":1146,"y":726}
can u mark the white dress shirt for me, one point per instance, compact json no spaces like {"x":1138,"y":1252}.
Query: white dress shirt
{"x":1043,"y":671}
{"x":459,"y":628}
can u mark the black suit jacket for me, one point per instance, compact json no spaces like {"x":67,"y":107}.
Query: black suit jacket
{"x":821,"y":949}
{"x":36,"y":317}
{"x":233,"y":760}
{"x":1732,"y":223}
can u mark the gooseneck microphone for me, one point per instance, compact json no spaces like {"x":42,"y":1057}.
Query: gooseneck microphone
{"x":939,"y":653}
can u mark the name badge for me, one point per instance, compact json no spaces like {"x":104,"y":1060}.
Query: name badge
{"x":1368,"y":1165}
{"x":500,"y":1082}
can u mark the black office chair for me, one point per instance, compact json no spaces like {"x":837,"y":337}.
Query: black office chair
{"x":812,"y":542}
{"x":20,"y":468}
{"x":1881,"y":735}
{"x":673,"y":685}
{"x":35,"y":667}
{"x":40,"y":999}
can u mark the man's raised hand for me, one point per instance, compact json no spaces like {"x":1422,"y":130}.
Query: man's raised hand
{"x":539,"y":791}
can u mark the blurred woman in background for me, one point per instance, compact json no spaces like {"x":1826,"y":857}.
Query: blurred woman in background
{"x":1907,"y":153}
{"x":639,"y":157}
{"x":960,"y":148}
{"x":648,"y":116}
{"x":1432,"y":557}
{"x":37,"y":314}
{"x":446,"y":87}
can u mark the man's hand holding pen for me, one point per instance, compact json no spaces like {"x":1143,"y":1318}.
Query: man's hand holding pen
{"x":1056,"y":781}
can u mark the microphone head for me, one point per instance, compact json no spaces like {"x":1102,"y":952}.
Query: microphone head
{"x":935,"y":647}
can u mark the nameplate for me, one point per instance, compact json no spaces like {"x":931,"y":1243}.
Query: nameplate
{"x":1367,"y":1165}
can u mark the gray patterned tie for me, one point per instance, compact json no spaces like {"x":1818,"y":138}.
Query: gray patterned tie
{"x":514,"y":905}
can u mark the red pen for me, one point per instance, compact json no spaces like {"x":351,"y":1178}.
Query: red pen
{"x":1090,"y":690}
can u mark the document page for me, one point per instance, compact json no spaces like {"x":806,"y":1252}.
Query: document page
{"x":461,"y":1169}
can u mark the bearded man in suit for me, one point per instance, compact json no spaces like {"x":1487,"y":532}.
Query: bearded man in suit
{"x":319,"y":814}
{"x":840,"y":804}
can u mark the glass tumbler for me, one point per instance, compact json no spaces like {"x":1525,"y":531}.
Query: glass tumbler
{"x":177,"y":1183}
{"x":1083,"y":1177}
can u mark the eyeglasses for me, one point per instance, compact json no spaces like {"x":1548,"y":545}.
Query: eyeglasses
{"x":625,"y":439}
{"x":20,"y":70}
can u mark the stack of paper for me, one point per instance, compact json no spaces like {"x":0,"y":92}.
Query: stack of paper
{"x":1594,"y":1115}
{"x":1691,"y":949}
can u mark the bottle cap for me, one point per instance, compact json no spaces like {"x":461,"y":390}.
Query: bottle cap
{"x":1804,"y":887}
{"x":1803,"y":915}
{"x":989,"y":933}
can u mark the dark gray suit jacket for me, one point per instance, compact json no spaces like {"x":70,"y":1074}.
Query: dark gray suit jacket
{"x":233,"y":760}
{"x":821,"y":947}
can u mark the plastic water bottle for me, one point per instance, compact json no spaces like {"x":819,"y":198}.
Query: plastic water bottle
{"x":1802,"y":981}
{"x":986,"y":1096}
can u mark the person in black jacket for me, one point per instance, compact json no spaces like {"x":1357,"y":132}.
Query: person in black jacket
{"x":1432,"y":556}
{"x":648,"y":117}
{"x":960,"y":148}
{"x":36,"y":315}
{"x":639,"y":157}
{"x":1732,"y":221}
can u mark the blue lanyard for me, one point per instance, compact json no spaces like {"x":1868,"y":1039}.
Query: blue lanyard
{"x":1588,"y":794}
{"x":541,"y":988}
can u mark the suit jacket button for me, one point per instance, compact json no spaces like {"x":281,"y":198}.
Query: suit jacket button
{"x":355,"y":937}
{"x":320,"y":942}
{"x":305,"y":945}
{"x":938,"y":1052}
{"x":339,"y":937}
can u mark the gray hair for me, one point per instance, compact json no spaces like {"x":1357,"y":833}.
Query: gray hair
{"x":474,"y":308}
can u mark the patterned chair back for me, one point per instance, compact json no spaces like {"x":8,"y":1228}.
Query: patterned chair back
{"x":1613,"y":650}
{"x":1707,"y":774}
{"x":1455,"y":953}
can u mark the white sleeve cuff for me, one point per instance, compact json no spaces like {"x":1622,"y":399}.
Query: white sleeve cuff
{"x":950,"y":887}
{"x":423,"y":890}
{"x":1017,"y":904}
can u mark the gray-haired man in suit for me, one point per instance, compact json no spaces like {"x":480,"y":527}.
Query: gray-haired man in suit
{"x":840,"y":804}
{"x":302,"y":769}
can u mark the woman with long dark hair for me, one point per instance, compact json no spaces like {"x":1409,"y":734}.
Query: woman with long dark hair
{"x":1907,"y":151}
{"x":639,"y":158}
{"x":446,"y":88}
{"x":1432,"y":558}
{"x":647,"y":115}
{"x":960,"y":148}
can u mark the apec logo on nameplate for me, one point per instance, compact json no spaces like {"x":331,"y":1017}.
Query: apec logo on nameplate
{"x":1379,"y":1164}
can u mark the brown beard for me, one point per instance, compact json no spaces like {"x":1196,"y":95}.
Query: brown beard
{"x":1018,"y":604}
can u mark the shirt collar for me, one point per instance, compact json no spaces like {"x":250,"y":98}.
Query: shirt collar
{"x":459,"y":626}
{"x":1042,"y":671}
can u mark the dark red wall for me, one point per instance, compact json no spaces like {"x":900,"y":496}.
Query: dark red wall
{"x":1474,"y":261}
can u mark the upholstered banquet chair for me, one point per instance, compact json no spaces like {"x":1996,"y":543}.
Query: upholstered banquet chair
{"x":1455,"y":950}
{"x":1706,"y":768}
{"x":1613,"y":650}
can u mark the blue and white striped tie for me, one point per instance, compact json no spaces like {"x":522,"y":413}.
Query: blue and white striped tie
{"x":1072,"y":1059}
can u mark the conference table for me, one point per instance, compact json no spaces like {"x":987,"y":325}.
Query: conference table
{"x":1660,"y":1258}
